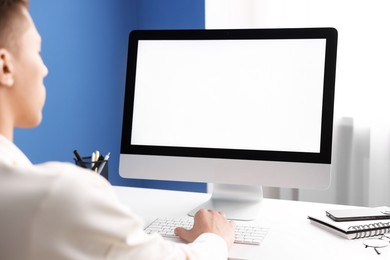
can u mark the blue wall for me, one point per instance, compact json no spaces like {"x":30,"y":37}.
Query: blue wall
{"x":85,"y":48}
{"x":170,"y":14}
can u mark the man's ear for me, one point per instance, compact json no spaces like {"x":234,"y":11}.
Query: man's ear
{"x":6,"y":69}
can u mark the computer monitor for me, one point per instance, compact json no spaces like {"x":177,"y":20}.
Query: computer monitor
{"x":237,"y":108}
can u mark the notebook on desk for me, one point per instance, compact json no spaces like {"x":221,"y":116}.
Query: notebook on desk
{"x":351,"y":229}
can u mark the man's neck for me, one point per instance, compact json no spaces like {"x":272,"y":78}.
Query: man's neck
{"x":6,"y":125}
{"x":6,"y":118}
{"x":7,"y":134}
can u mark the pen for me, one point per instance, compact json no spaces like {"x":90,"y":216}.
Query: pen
{"x":97,"y":155}
{"x":107,"y":157}
{"x":95,"y":159}
{"x":92,"y":159}
{"x":79,"y":159}
{"x":101,"y":166}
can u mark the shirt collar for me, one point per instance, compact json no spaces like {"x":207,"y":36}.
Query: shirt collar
{"x":11,"y":154}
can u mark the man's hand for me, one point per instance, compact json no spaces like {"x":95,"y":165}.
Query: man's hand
{"x":208,"y":221}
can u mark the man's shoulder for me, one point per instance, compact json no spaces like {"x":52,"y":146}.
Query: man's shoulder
{"x":75,"y":189}
{"x":71,"y":175}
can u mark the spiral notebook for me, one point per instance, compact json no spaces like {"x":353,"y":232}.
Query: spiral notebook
{"x":352,"y":229}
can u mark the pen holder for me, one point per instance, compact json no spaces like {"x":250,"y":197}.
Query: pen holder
{"x":100,"y":166}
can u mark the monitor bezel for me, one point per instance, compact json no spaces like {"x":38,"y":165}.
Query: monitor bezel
{"x":323,"y":157}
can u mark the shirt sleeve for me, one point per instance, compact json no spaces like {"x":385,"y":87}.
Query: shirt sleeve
{"x":81,"y":218}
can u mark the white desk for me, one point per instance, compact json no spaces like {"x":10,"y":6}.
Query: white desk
{"x":292,"y":236}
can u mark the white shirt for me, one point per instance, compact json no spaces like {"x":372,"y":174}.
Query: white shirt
{"x":61,"y":211}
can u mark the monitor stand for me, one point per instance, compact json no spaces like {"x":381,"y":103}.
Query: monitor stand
{"x":238,"y":202}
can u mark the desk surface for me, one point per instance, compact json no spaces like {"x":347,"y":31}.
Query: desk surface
{"x":291,"y":236}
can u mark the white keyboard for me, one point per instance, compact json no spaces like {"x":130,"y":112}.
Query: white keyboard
{"x":245,"y":233}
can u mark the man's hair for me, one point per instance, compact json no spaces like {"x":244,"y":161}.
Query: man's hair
{"x":9,"y":11}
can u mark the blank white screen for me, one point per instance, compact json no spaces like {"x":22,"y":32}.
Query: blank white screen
{"x":234,"y":94}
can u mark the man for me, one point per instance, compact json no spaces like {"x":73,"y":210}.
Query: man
{"x":60,"y":211}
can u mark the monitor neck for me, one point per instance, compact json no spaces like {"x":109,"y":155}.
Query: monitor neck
{"x":238,"y":202}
